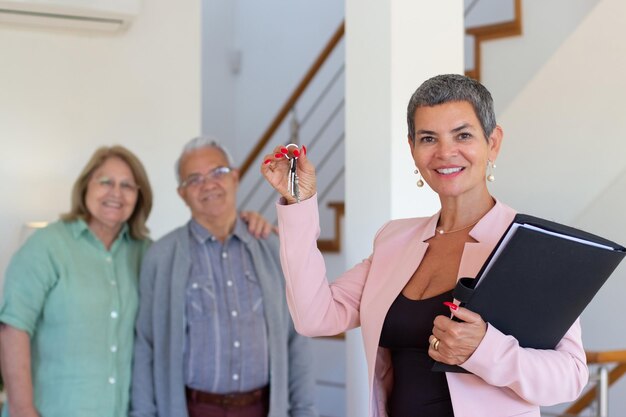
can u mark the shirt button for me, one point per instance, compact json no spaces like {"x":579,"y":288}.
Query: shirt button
{"x":114,"y":348}
{"x":229,"y":283}
{"x":113,"y":283}
{"x":194,"y":285}
{"x":235,"y":377}
{"x":113,"y":314}
{"x":236,"y":344}
{"x":109,"y":259}
{"x":224,"y":255}
{"x":233,"y":313}
{"x":111,"y":380}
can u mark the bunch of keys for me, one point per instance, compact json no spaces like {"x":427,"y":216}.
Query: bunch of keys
{"x":292,"y":179}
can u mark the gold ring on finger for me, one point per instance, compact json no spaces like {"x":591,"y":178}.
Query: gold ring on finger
{"x":434,"y":341}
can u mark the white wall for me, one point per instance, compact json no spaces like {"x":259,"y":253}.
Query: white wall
{"x":563,"y":145}
{"x":220,"y":60}
{"x":64,"y":93}
{"x":564,"y":151}
{"x":510,"y":63}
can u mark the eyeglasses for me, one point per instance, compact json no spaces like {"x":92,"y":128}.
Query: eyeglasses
{"x":195,"y":180}
{"x":109,"y":184}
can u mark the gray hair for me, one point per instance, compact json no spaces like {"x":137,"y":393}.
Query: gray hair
{"x":453,"y":87}
{"x":202,"y":142}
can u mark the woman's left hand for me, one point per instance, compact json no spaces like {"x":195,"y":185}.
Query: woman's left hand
{"x":457,"y":340}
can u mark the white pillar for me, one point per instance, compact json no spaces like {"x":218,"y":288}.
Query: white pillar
{"x":391,"y":48}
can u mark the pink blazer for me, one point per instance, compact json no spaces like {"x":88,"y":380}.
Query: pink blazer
{"x":506,"y":379}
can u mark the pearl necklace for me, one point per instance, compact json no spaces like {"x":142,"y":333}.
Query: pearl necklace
{"x":443,"y":232}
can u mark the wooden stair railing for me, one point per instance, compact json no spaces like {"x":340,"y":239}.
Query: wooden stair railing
{"x":327,"y":245}
{"x":333,"y":245}
{"x":291,"y":101}
{"x":606,"y":357}
{"x":494,"y":31}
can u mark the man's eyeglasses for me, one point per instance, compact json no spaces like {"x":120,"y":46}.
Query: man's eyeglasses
{"x":194,"y":180}
{"x":109,"y":184}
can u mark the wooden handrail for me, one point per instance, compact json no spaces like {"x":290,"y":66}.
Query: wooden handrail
{"x":609,"y":356}
{"x":333,"y":245}
{"x":495,"y":31}
{"x":291,"y":101}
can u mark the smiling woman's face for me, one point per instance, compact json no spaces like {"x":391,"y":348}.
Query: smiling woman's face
{"x":111,"y":195}
{"x":450,"y":149}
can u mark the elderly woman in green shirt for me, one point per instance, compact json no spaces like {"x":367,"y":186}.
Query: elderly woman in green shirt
{"x":70,"y":297}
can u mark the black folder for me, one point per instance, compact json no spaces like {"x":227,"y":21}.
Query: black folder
{"x":537,"y":281}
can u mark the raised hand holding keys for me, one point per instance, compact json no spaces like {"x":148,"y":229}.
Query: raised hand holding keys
{"x":290,"y":172}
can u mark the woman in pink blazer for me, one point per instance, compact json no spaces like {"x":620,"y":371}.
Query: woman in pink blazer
{"x":401,"y":295}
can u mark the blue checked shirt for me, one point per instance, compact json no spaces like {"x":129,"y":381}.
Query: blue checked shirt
{"x":226,"y":347}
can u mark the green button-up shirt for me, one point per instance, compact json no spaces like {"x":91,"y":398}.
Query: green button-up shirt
{"x":77,"y":301}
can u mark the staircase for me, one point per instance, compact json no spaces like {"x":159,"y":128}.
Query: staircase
{"x":598,"y":394}
{"x":312,"y":115}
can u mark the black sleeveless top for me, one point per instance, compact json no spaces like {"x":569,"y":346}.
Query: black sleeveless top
{"x":417,"y":391}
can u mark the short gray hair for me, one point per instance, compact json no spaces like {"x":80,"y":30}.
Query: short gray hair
{"x":453,"y":87}
{"x":199,"y":143}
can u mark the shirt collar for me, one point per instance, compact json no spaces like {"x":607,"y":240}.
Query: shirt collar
{"x":201,"y":234}
{"x":79,"y":228}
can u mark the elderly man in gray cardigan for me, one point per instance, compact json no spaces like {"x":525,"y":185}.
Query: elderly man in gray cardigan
{"x":214,"y":336}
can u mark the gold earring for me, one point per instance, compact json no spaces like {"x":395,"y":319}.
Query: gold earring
{"x":420,"y":182}
{"x":490,"y":168}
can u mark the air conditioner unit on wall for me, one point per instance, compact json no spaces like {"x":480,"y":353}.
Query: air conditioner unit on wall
{"x":102,"y":15}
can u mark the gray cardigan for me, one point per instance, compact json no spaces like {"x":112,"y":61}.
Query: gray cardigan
{"x":158,"y":387}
